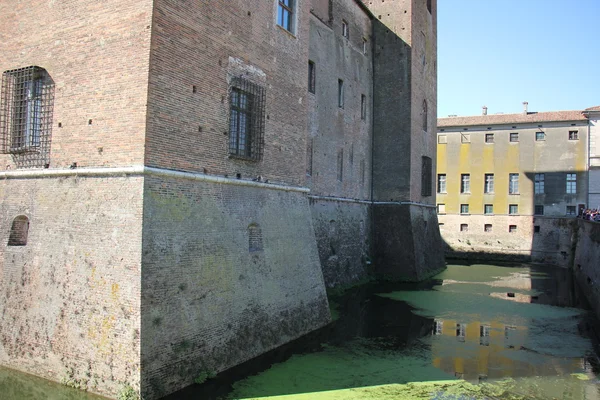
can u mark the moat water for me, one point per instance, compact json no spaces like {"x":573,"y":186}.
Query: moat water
{"x":473,"y":331}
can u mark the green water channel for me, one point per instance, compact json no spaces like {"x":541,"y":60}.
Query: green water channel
{"x":472,"y":332}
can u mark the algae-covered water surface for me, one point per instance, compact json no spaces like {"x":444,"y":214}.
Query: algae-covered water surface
{"x":474,"y":331}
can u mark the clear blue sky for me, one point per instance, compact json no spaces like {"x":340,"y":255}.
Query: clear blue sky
{"x":499,"y":53}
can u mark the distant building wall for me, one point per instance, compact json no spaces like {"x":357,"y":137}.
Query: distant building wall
{"x":482,"y":211}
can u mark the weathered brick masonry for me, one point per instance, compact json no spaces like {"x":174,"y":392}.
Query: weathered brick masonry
{"x":158,"y":245}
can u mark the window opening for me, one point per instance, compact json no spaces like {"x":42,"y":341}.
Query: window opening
{"x":489,"y":183}
{"x":512,"y":228}
{"x":442,"y":139}
{"x":489,"y":138}
{"x":539,"y":209}
{"x":426,"y":172}
{"x":363,"y":107}
{"x":345,"y":30}
{"x":514,"y":137}
{"x":487,"y":228}
{"x":26,"y":107}
{"x":441,"y":208}
{"x":571,"y":210}
{"x":425,"y":115}
{"x":246,"y":119}
{"x":465,"y":138}
{"x":573,"y":135}
{"x":441,"y":183}
{"x":571,"y":183}
{"x":464,"y":208}
{"x":340,"y":93}
{"x":255,"y":241}
{"x":311,"y":77}
{"x":464,"y":227}
{"x":285,"y":14}
{"x":465,"y":183}
{"x":539,"y":136}
{"x":19,"y":231}
{"x":538,"y":185}
{"x":513,"y":183}
{"x":340,"y":166}
{"x":488,"y":209}
{"x":513,"y":209}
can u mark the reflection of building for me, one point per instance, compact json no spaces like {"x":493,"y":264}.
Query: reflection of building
{"x":476,"y":351}
{"x":177,"y":177}
{"x":510,"y":183}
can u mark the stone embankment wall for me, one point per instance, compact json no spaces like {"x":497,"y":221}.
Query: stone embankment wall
{"x":586,"y":263}
{"x":538,"y":239}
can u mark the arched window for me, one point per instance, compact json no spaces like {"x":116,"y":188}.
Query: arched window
{"x":254,"y":238}
{"x":425,"y":115}
{"x":19,"y":231}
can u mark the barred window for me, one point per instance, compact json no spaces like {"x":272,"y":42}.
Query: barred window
{"x":246,"y":119}
{"x":426,"y":176}
{"x":26,"y":115}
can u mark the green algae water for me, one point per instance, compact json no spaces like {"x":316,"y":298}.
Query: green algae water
{"x":472,"y":332}
{"x":19,"y":386}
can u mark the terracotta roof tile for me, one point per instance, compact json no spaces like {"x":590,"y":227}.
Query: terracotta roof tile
{"x":521,"y":118}
{"x":597,"y":108}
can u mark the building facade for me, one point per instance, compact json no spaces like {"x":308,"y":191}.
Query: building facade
{"x":512,"y":183}
{"x":182,"y":180}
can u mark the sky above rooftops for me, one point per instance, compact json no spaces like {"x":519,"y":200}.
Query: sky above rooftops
{"x":499,"y":53}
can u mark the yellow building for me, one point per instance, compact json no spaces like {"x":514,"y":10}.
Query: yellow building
{"x":511,"y":183}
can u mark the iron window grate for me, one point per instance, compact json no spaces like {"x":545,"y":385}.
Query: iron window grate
{"x":26,"y":108}
{"x":246,"y":119}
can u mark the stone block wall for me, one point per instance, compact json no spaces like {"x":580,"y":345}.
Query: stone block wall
{"x":229,"y":272}
{"x":540,"y":239}
{"x":406,"y":240}
{"x":585,"y":264}
{"x":70,"y":297}
{"x":343,"y":232}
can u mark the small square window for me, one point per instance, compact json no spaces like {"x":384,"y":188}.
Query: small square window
{"x":464,"y":227}
{"x":540,"y":136}
{"x":539,"y":209}
{"x":441,"y":208}
{"x":489,"y":138}
{"x":345,"y":30}
{"x":442,"y":139}
{"x":513,"y":209}
{"x":514,"y":137}
{"x":536,"y":229}
{"x":512,"y":228}
{"x":487,"y":228}
{"x":464,"y":208}
{"x":571,"y":210}
{"x":465,"y":138}
{"x":488,"y":209}
{"x":573,"y":135}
